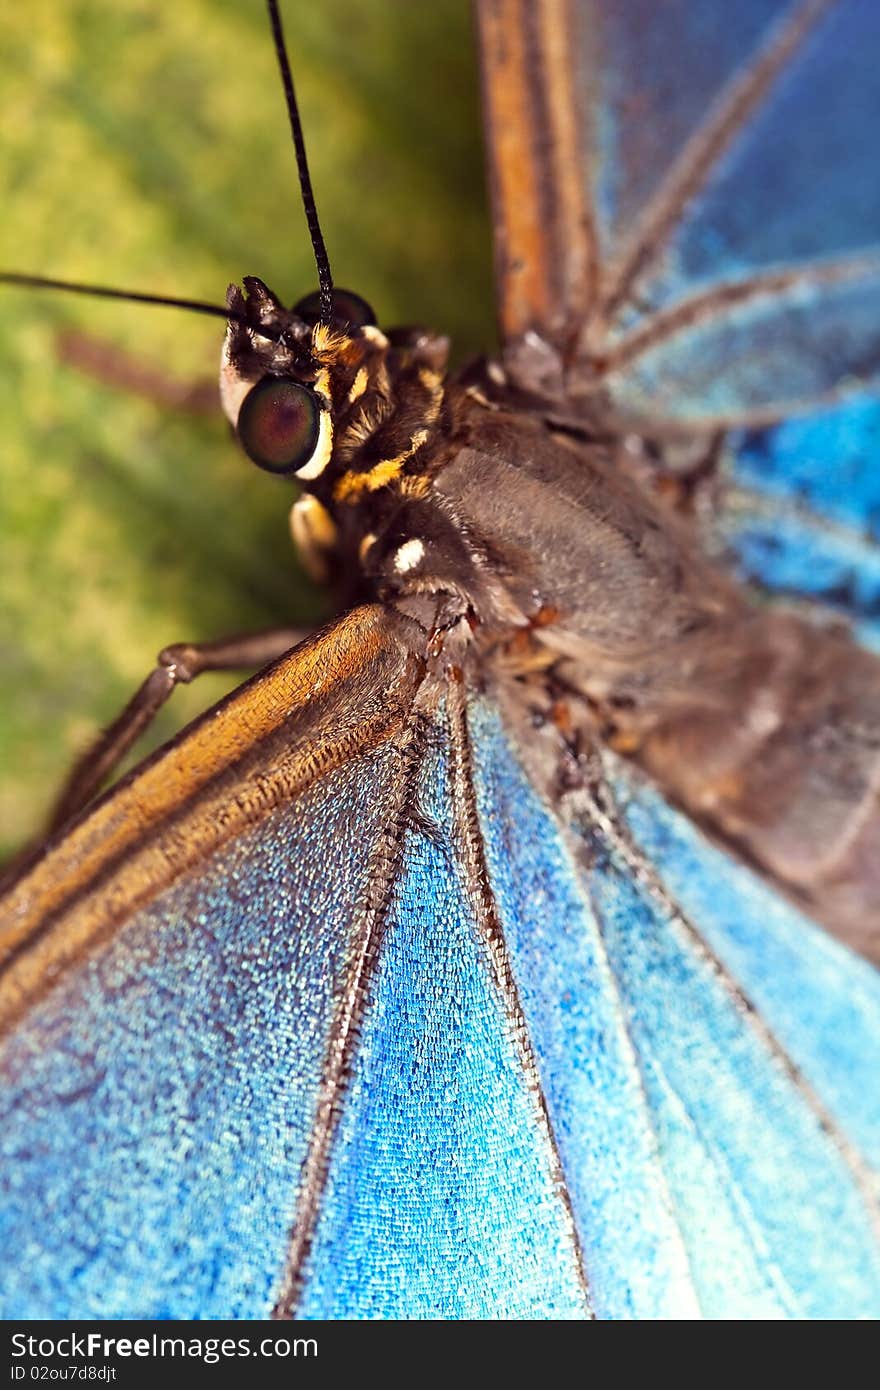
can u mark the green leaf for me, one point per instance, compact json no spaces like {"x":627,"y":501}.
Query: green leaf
{"x":146,"y":145}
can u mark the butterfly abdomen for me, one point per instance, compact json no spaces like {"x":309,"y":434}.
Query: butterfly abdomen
{"x":787,"y":767}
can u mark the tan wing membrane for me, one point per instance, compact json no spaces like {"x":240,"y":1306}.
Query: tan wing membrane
{"x":343,"y":692}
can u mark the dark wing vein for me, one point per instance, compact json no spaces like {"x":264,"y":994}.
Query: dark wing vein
{"x":739,"y":100}
{"x":605,"y":813}
{"x":370,"y":919}
{"x":488,"y":921}
{"x":698,"y":309}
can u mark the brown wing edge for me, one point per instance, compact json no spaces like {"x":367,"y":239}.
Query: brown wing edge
{"x":545,"y":248}
{"x":344,"y":691}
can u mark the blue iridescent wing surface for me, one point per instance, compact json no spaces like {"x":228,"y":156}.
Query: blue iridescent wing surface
{"x":707,"y":1055}
{"x":443,"y":1195}
{"x":598,"y":1107}
{"x":412,"y":1041}
{"x":170,"y":978}
{"x":685,"y":205}
{"x":736,"y":211}
{"x":499,"y":1078}
{"x":257,"y":1055}
{"x":157,"y":1105}
{"x":732,"y":223}
{"x":789,"y":195}
{"x":796,"y":513}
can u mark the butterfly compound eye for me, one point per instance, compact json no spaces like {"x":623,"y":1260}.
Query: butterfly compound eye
{"x":279,"y":424}
{"x":348,"y":307}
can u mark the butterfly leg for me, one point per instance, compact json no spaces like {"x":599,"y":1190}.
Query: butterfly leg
{"x":109,"y":364}
{"x":176,"y":665}
{"x":684,"y":474}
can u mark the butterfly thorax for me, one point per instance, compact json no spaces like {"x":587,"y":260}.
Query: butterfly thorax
{"x":544,"y":561}
{"x":422,"y":485}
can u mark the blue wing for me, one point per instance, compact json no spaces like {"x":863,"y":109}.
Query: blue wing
{"x":737,"y":212}
{"x":796,"y":83}
{"x":159,"y":1100}
{"x":796,"y":510}
{"x":411,"y":1045}
{"x":687,"y":218}
{"x":708,"y":1058}
{"x":443,"y":1195}
{"x":158,"y":1104}
{"x":279,"y":1072}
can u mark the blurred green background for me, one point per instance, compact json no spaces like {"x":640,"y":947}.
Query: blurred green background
{"x":145,"y":145}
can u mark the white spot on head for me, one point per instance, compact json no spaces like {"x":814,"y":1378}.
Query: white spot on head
{"x":410,"y":554}
{"x":233,"y":386}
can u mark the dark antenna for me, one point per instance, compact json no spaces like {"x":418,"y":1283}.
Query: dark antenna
{"x":195,"y":306}
{"x":41,"y":282}
{"x":325,"y":279}
{"x":200,"y":306}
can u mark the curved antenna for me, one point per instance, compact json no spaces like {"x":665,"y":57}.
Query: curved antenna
{"x":325,"y":279}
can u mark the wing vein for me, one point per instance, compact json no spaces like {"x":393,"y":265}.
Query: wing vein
{"x":479,"y":886}
{"x":742,"y":97}
{"x":609,"y":821}
{"x":381,"y":880}
{"x":715,"y":302}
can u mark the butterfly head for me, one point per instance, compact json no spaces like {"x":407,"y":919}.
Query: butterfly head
{"x":341,"y":408}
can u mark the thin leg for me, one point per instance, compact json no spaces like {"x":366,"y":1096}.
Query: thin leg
{"x":112,"y":366}
{"x":176,"y":665}
{"x":680,"y":473}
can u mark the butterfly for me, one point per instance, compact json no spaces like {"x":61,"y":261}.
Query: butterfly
{"x":451,"y":966}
